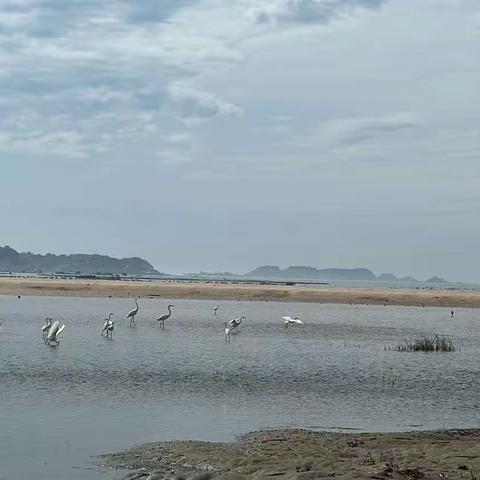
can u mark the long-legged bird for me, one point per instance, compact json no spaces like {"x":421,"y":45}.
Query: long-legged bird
{"x":235,"y":323}
{"x":166,"y":316}
{"x":289,"y":320}
{"x":56,"y":328}
{"x":132,"y":314}
{"x":108,"y":326}
{"x":45,"y":328}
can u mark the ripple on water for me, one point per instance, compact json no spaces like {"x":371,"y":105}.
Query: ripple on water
{"x":186,"y":381}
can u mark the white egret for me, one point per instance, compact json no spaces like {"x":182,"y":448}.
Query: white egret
{"x":132,"y":314}
{"x":235,"y":323}
{"x":109,"y":325}
{"x":227,"y":331}
{"x":289,"y":320}
{"x":53,"y":332}
{"x":161,"y":320}
{"x":45,"y":328}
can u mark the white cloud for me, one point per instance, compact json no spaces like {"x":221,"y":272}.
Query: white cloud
{"x":179,"y":138}
{"x":193,"y":105}
{"x":112,"y":74}
{"x":357,"y":130}
{"x":305,"y":11}
{"x":63,"y":143}
{"x":113,"y":71}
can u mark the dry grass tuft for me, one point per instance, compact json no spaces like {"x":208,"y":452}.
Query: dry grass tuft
{"x":425,"y":344}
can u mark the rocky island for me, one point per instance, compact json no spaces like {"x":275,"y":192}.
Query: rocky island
{"x":80,"y":264}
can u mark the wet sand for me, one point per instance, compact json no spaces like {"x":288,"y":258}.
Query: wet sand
{"x":307,"y":455}
{"x":249,"y":292}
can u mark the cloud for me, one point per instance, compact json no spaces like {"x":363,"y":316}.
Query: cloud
{"x":193,"y":105}
{"x":306,"y":11}
{"x":65,"y":143}
{"x":148,"y":11}
{"x":356,"y":130}
{"x":305,"y":103}
{"x":78,"y":133}
{"x":85,"y":76}
{"x":52,"y":18}
{"x":81,"y":76}
{"x":384,"y":138}
{"x":104,"y":72}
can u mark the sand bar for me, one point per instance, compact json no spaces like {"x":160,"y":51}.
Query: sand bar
{"x":249,"y":292}
{"x":307,"y":455}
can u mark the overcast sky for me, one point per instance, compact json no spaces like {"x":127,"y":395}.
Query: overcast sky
{"x":226,"y":134}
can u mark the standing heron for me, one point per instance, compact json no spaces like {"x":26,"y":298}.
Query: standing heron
{"x":132,"y":314}
{"x":109,"y":325}
{"x":161,"y":320}
{"x":53,"y":332}
{"x":234,"y":324}
{"x":289,"y":320}
{"x":215,"y":308}
{"x":227,"y":331}
{"x":45,"y":328}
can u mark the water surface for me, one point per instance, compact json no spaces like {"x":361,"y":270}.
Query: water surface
{"x":59,"y":406}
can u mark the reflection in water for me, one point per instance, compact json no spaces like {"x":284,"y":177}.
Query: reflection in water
{"x":60,"y":405}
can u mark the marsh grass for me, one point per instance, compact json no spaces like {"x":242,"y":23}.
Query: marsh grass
{"x":425,"y":344}
{"x":469,"y":476}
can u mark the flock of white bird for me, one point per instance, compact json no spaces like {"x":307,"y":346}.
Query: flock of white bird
{"x":52,"y":329}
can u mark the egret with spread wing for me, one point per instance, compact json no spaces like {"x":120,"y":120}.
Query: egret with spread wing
{"x":56,"y":328}
{"x":235,"y":323}
{"x":45,"y":328}
{"x":289,"y":320}
{"x":132,"y":314}
{"x":166,"y":316}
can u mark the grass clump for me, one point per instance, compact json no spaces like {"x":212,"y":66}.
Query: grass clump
{"x":426,"y":344}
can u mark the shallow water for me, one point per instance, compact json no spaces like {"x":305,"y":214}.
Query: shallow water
{"x":59,"y":406}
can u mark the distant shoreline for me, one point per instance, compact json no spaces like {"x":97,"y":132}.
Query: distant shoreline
{"x":204,"y":290}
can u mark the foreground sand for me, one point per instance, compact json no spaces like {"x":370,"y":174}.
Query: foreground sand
{"x":306,"y":455}
{"x":252,"y":292}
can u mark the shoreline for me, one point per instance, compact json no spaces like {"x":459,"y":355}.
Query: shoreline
{"x":298,"y":454}
{"x":238,"y":292}
{"x":250,"y":292}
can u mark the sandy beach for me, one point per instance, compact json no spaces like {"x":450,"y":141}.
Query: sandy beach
{"x":307,"y":455}
{"x":249,"y":292}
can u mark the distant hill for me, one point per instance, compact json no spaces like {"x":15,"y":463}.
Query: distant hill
{"x":408,"y":280}
{"x":436,"y":280}
{"x":13,"y":261}
{"x":387,"y":277}
{"x":330,"y":274}
{"x":311,"y":273}
{"x":210,"y":274}
{"x":391,"y":278}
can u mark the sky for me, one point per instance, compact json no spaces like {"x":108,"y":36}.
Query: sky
{"x":219,"y":135}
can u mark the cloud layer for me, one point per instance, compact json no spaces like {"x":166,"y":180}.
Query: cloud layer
{"x":307,"y":11}
{"x":79,"y":76}
{"x":352,"y":123}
